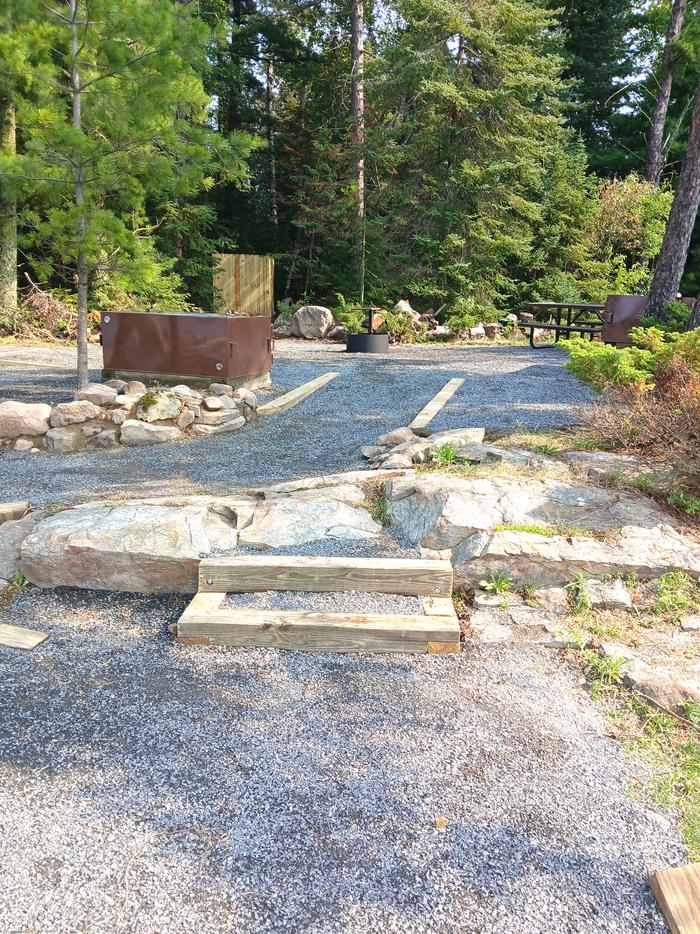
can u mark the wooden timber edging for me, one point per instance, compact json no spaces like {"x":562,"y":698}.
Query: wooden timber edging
{"x":428,"y":413}
{"x":206,"y":621}
{"x":678,"y":893}
{"x":295,"y":396}
{"x":247,"y":574}
{"x":17,"y":637}
{"x":244,"y":283}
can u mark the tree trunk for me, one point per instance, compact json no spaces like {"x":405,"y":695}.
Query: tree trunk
{"x":676,"y":243}
{"x":694,"y":319}
{"x":358,"y":135}
{"x":270,"y":100}
{"x":656,"y":150}
{"x":79,"y":198}
{"x":8,"y":217}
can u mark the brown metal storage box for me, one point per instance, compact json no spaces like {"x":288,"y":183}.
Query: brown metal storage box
{"x":622,"y":313}
{"x":186,"y":347}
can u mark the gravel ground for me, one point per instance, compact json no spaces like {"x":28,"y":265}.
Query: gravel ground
{"x":151,"y":787}
{"x":504,"y":387}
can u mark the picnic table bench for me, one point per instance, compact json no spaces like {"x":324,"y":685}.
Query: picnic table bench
{"x":581,"y":318}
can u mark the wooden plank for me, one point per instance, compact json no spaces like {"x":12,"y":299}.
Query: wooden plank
{"x":17,"y":637}
{"x":443,"y":648}
{"x":428,"y":413}
{"x":317,"y":632}
{"x":244,"y":283}
{"x":289,"y":399}
{"x":10,"y":511}
{"x":250,"y":573}
{"x":678,"y":894}
{"x":439,"y":606}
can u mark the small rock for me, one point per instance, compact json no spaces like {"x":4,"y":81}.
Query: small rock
{"x":218,"y":418}
{"x":617,"y":650}
{"x":106,"y":439}
{"x":372,"y":451}
{"x":608,"y":595}
{"x":72,"y":413}
{"x":220,"y":389}
{"x":477,"y":332}
{"x":395,"y":437}
{"x":691,"y":623}
{"x":247,"y":402}
{"x":23,"y":418}
{"x":397,"y":461}
{"x":67,"y":440}
{"x":338,"y":333}
{"x":135,"y":432}
{"x":212,"y":403}
{"x":186,"y":393}
{"x":161,"y":406}
{"x":23,"y":444}
{"x":184,"y":419}
{"x":117,"y":416}
{"x":89,"y":431}
{"x":97,"y":393}
{"x":282,"y":326}
{"x":232,"y":424}
{"x":135,"y":388}
{"x":119,"y":384}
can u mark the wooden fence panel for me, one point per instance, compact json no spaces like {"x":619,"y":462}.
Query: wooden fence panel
{"x":244,"y":283}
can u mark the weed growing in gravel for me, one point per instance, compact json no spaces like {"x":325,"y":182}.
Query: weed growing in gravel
{"x":498,"y":582}
{"x":378,"y":508}
{"x":19,"y":581}
{"x":148,"y":399}
{"x":529,"y":593}
{"x":676,"y":592}
{"x":578,"y":593}
{"x":603,"y":671}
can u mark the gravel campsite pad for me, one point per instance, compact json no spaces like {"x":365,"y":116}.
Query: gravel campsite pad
{"x":504,"y":387}
{"x":147,"y":786}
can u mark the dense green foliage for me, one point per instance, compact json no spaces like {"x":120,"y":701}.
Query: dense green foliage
{"x":505,"y":144}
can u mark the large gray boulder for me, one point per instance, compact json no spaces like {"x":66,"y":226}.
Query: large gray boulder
{"x":312,"y":322}
{"x":489,"y":524}
{"x":12,"y":534}
{"x":24,"y":418}
{"x":98,"y":394}
{"x":66,"y":440}
{"x":309,"y":516}
{"x":135,"y":432}
{"x":158,"y":407}
{"x":140,"y":546}
{"x":73,"y":413}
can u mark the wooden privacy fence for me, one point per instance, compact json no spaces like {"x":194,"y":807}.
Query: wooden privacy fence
{"x":244,"y":283}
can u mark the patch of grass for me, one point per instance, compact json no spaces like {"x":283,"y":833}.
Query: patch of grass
{"x":642,"y":482}
{"x":578,"y":593}
{"x":547,"y":531}
{"x":445,"y":455}
{"x":685,"y":502}
{"x":603,"y":671}
{"x":529,"y":593}
{"x":378,"y":508}
{"x":676,"y":592}
{"x":498,"y":582}
{"x":19,"y":581}
{"x":670,"y":747}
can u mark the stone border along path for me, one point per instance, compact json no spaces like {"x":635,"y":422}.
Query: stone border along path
{"x":504,"y":387}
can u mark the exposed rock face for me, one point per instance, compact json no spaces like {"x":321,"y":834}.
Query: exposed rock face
{"x":12,"y":534}
{"x":312,"y":322}
{"x":309,"y":516}
{"x":98,"y":394}
{"x":22,"y":418}
{"x":136,"y":547}
{"x":492,"y":454}
{"x":606,"y":467}
{"x":466,"y":516}
{"x":134,"y":432}
{"x":73,"y":413}
{"x":65,"y":440}
{"x":161,"y":406}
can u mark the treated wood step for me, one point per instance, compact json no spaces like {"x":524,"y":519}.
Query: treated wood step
{"x":243,"y":574}
{"x":320,"y":632}
{"x":678,"y":894}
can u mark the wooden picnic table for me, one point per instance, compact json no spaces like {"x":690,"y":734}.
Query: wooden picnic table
{"x":575,"y":322}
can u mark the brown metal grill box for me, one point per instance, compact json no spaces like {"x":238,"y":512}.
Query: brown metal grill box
{"x":187,"y":347}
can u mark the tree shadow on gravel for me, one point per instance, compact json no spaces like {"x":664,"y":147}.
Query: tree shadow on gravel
{"x":280,"y":791}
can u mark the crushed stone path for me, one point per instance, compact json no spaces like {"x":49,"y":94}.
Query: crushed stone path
{"x":505,"y":387}
{"x":151,"y":787}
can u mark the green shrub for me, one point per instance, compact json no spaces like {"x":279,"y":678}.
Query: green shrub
{"x":600,"y":365}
